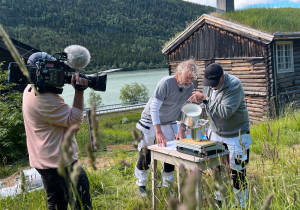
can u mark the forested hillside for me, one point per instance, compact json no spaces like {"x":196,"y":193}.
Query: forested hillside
{"x":119,"y":33}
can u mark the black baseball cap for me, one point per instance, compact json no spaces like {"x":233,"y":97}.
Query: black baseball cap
{"x":212,"y":75}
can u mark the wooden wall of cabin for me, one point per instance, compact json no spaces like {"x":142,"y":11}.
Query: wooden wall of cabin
{"x":252,"y":74}
{"x":209,"y":42}
{"x":288,"y":84}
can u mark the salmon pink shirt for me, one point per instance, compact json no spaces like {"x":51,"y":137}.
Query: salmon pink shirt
{"x":46,"y":119}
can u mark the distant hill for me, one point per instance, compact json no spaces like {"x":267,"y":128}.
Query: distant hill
{"x":266,"y":19}
{"x":118,"y":33}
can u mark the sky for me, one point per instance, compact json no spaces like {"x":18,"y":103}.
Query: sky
{"x":240,"y":4}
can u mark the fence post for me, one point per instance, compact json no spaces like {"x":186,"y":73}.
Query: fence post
{"x":88,"y":115}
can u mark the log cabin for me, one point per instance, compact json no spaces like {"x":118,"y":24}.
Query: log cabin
{"x":268,"y":65}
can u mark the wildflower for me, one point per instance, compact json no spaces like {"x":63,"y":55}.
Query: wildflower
{"x":189,"y":190}
{"x":75,"y":173}
{"x":173,"y":202}
{"x":135,"y":135}
{"x":124,"y":163}
{"x":90,"y":155}
{"x":95,"y":132}
{"x":277,"y":136}
{"x":267,"y":202}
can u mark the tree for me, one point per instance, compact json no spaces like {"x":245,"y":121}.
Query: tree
{"x":141,"y":65}
{"x":94,"y":98}
{"x":134,"y":92}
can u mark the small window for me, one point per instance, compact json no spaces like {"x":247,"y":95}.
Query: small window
{"x":284,"y":57}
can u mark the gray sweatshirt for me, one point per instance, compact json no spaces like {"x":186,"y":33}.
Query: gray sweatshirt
{"x":172,"y":97}
{"x":228,"y":113}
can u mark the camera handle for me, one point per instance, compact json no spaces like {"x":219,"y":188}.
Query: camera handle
{"x":81,"y":87}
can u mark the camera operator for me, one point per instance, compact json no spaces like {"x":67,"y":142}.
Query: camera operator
{"x":46,"y":119}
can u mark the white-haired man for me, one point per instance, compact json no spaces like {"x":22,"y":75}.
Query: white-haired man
{"x":159,"y":117}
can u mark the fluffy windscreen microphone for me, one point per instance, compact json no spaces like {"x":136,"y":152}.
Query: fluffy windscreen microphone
{"x":78,"y":56}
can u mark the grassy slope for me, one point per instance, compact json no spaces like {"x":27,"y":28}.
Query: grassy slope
{"x":113,"y":185}
{"x":266,"y":19}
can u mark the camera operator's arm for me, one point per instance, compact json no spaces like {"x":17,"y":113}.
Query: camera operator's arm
{"x":78,"y":98}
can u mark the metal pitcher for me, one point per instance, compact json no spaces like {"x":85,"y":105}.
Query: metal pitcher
{"x":198,"y":133}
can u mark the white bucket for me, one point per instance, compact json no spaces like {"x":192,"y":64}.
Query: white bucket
{"x":191,"y":114}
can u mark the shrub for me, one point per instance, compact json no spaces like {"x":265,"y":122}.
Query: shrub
{"x":94,"y":98}
{"x":12,"y":130}
{"x":134,"y":92}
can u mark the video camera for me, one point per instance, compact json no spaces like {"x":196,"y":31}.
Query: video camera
{"x":50,"y":73}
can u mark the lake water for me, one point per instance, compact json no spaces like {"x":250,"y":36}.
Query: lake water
{"x":115,"y":81}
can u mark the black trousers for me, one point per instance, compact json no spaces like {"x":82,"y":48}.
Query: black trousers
{"x":57,"y":189}
{"x":144,"y":162}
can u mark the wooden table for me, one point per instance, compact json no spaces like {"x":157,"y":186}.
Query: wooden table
{"x":170,"y":155}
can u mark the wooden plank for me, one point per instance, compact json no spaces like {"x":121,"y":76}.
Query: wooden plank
{"x":202,"y":40}
{"x":217,"y":43}
{"x":242,"y":58}
{"x":242,"y":68}
{"x":261,"y":72}
{"x":259,"y":68}
{"x":286,"y":84}
{"x":236,"y":46}
{"x":259,"y":64}
{"x":254,"y":98}
{"x":224,"y":44}
{"x":239,"y":64}
{"x":206,"y":43}
{"x":196,"y":44}
{"x":254,"y":89}
{"x":254,"y":85}
{"x":223,"y":61}
{"x":260,"y":103}
{"x":249,"y":80}
{"x":288,"y":79}
{"x":229,"y":45}
{"x":255,"y":114}
{"x":255,"y":93}
{"x":246,"y":48}
{"x":212,"y":42}
{"x":251,"y":76}
{"x":256,"y":105}
{"x":286,"y":75}
{"x":239,"y":46}
{"x":295,"y":87}
{"x":288,"y":92}
{"x":256,"y":110}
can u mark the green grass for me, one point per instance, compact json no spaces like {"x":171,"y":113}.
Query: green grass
{"x":269,"y":20}
{"x":289,"y":132}
{"x":112,"y":130}
{"x":266,"y":19}
{"x":7,"y":170}
{"x":113,"y":187}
